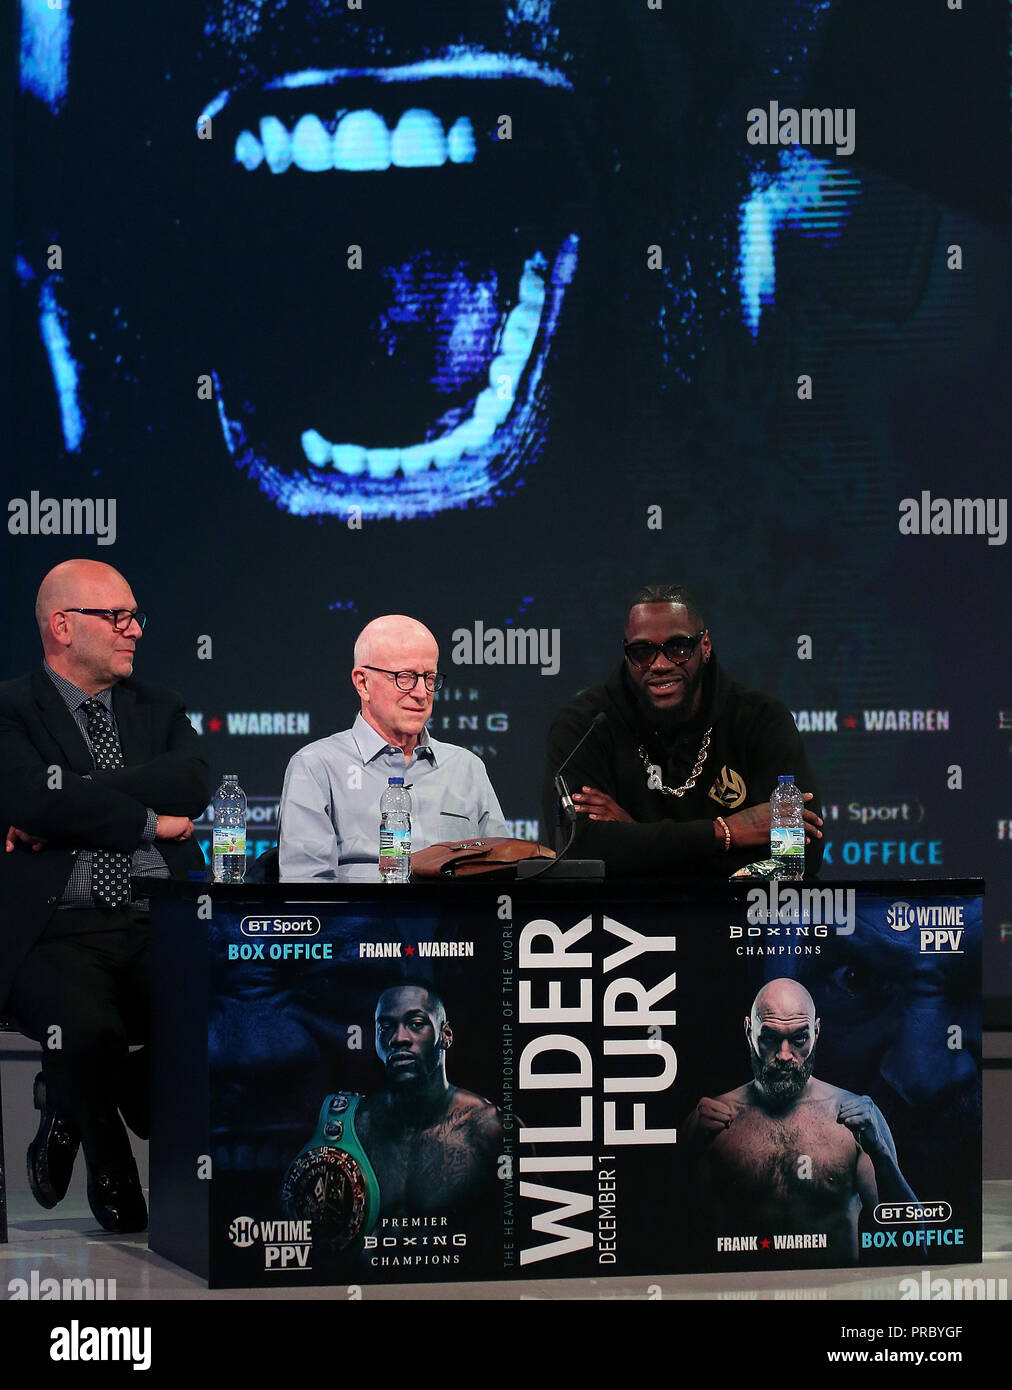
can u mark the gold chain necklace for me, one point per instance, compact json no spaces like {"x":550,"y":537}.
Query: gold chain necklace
{"x":654,"y":775}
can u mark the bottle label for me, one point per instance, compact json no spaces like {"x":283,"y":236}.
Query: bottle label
{"x":787,"y":842}
{"x":229,"y":840}
{"x":395,"y":844}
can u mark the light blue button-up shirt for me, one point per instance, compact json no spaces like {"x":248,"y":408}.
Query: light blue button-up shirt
{"x":330,"y":806}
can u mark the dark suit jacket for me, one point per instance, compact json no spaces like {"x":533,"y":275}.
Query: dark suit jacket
{"x":50,"y":787}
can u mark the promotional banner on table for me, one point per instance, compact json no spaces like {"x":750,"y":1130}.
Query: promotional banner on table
{"x":518,"y":1089}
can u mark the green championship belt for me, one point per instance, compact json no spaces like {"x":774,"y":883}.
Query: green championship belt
{"x":331,"y":1181}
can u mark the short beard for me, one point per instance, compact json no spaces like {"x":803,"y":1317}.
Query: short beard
{"x":780,"y":1085}
{"x":403,"y":1078}
{"x":668,"y":721}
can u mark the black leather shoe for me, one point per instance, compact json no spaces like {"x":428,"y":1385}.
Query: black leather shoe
{"x":52,"y":1152}
{"x":117,"y":1201}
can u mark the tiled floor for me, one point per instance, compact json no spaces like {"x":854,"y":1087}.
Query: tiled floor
{"x":67,"y":1244}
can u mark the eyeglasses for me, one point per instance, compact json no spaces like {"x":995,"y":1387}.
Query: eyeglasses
{"x":642,"y":655}
{"x":121,"y":618}
{"x":407,"y":680}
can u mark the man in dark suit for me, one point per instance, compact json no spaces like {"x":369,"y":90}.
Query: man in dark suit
{"x":100,"y":778}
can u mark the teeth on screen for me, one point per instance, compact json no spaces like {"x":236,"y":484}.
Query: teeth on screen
{"x":383,"y":463}
{"x":248,"y":151}
{"x":312,"y":147}
{"x":349,"y":459}
{"x":360,"y":141}
{"x":520,"y":331}
{"x":476,"y":432}
{"x":277,"y":144}
{"x":460,"y":142}
{"x":532,"y":290}
{"x":315,"y":447}
{"x":491,"y":406}
{"x":418,"y":142}
{"x":416,"y":459}
{"x":503,"y":375}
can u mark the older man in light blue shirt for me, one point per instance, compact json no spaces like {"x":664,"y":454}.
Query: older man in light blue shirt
{"x":330,"y":803}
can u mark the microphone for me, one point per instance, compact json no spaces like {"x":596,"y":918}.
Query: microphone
{"x":560,"y":867}
{"x":561,"y":787}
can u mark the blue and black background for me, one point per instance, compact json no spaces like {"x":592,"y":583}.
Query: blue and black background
{"x":673,"y":387}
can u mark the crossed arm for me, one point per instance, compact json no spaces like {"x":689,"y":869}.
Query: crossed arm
{"x":44,"y":803}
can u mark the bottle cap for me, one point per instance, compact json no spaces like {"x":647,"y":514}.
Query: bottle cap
{"x":786,"y":777}
{"x":395,"y":781}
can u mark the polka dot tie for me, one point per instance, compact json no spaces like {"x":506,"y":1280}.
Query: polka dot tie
{"x":110,"y":871}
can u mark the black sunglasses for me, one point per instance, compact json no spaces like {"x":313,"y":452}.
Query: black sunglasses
{"x":642,"y":655}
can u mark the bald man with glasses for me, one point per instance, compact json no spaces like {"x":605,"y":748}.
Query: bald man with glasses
{"x":676,"y":777}
{"x":100,"y":779}
{"x":330,"y":803}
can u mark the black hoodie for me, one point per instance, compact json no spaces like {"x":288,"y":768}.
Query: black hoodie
{"x":754,"y":740}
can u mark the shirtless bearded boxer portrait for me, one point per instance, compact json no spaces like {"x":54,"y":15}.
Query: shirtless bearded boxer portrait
{"x":788,"y":1155}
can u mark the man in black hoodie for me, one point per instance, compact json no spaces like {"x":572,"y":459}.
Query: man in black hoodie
{"x":677,"y":778}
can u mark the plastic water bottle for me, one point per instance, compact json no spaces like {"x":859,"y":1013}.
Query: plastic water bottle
{"x":787,"y":829}
{"x":395,"y":832}
{"x":229,"y":834}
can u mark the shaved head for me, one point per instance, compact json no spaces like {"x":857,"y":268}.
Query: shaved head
{"x":85,"y":648}
{"x":784,"y":1002}
{"x":75,"y":584}
{"x":403,"y":995}
{"x":412,"y":1037}
{"x":380,"y":641}
{"x":782,"y":1031}
{"x":388,"y":645}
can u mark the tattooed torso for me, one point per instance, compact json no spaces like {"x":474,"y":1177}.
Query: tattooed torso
{"x":433,"y":1167}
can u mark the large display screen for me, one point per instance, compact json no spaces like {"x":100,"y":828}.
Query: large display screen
{"x":491,"y":311}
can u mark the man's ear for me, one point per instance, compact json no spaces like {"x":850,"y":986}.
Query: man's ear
{"x":359,"y":679}
{"x":818,"y":1021}
{"x":706,"y":645}
{"x":748,"y":1029}
{"x":59,"y":628}
{"x":446,"y":1037}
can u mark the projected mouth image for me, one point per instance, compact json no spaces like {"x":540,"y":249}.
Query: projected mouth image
{"x":365,"y":227}
{"x":388,"y":286}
